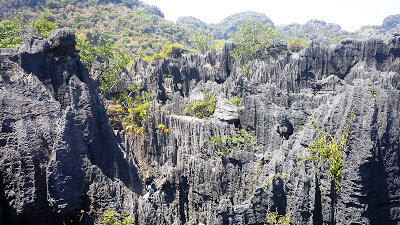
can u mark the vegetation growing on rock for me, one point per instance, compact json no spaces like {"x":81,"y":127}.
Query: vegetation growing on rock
{"x":236,"y":101}
{"x":132,"y":26}
{"x":110,"y":218}
{"x":269,"y":180}
{"x":275,"y":219}
{"x":163,"y":128}
{"x":296,"y":44}
{"x":242,"y":140}
{"x":201,"y":109}
{"x":165,"y":53}
{"x":327,"y":149}
{"x":136,"y":112}
{"x":10,"y":33}
{"x":42,"y":27}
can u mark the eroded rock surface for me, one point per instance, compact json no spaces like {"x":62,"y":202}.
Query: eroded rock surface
{"x":59,"y":153}
{"x":196,"y":186}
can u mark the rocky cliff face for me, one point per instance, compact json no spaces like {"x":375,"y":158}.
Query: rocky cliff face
{"x":60,"y":155}
{"x":196,"y":186}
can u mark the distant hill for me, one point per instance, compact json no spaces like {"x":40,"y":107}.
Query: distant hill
{"x":194,"y":24}
{"x":315,"y":30}
{"x":132,"y":26}
{"x":391,"y":22}
{"x":312,"y":30}
{"x":140,"y":29}
{"x":225,"y":28}
{"x":228,"y":26}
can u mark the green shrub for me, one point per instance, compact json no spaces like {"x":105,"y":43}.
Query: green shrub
{"x":252,"y":40}
{"x":165,"y":53}
{"x":136,"y":112}
{"x":42,"y":27}
{"x":108,"y":80}
{"x":236,"y":101}
{"x":276,"y":219}
{"x":327,"y":149}
{"x":296,"y":44}
{"x":201,"y":109}
{"x":242,"y":140}
{"x":109,"y":218}
{"x":10,"y":33}
{"x":115,"y":62}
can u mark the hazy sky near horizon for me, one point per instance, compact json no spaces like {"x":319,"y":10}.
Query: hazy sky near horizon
{"x":349,"y":14}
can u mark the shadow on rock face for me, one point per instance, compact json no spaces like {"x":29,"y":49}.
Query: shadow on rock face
{"x":55,"y":135}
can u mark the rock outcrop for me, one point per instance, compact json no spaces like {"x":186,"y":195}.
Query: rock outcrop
{"x":59,"y":154}
{"x":197,"y":186}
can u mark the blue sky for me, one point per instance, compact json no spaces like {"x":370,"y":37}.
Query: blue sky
{"x":350,"y":14}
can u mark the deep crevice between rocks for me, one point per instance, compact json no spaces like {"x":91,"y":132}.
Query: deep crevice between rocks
{"x":183,"y":199}
{"x":317,"y":213}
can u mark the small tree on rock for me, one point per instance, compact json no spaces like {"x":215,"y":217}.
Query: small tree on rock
{"x":252,"y":40}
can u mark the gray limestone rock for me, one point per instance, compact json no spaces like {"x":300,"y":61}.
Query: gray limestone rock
{"x":225,"y":110}
{"x":59,"y":154}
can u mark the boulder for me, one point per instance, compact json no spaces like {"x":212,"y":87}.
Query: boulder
{"x":226,"y":111}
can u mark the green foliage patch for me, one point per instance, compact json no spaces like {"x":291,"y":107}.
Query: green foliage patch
{"x":201,"y":109}
{"x":136,"y":109}
{"x":110,"y":218}
{"x":296,"y":44}
{"x":10,"y":33}
{"x":276,"y":219}
{"x":115,"y":62}
{"x":327,"y":149}
{"x":165,"y":53}
{"x":236,"y":101}
{"x":269,"y":180}
{"x":242,"y":140}
{"x":131,"y":26}
{"x":252,"y":40}
{"x":202,"y":42}
{"x":42,"y":27}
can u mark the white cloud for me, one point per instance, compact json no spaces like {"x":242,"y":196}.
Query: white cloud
{"x":350,"y":14}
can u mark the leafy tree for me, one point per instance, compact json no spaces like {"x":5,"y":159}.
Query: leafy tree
{"x":202,"y":42}
{"x":253,"y":39}
{"x":296,"y":44}
{"x":87,"y":51}
{"x":115,"y":62}
{"x":10,"y":33}
{"x":219,"y":44}
{"x":42,"y":27}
